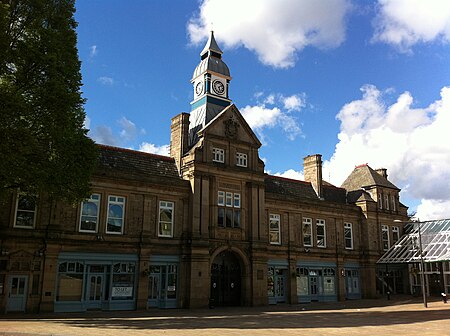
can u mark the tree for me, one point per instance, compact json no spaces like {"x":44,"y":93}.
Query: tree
{"x":43,"y":143}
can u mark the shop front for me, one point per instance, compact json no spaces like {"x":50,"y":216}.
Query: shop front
{"x":163,"y":284}
{"x":277,"y":275}
{"x":316,"y":281}
{"x":95,"y":281}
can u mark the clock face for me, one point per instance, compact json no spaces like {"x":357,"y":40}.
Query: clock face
{"x":218,"y":87}
{"x":199,"y":88}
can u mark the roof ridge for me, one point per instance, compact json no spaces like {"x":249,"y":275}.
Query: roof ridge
{"x":134,"y":151}
{"x":288,"y":179}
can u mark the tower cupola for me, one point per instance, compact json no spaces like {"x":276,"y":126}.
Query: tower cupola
{"x":210,"y":80}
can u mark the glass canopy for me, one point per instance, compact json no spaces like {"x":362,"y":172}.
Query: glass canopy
{"x":435,"y":243}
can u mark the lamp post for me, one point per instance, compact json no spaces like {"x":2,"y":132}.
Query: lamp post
{"x":422,"y":266}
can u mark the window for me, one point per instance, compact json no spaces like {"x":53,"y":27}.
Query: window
{"x":25,"y":211}
{"x":385,"y":237}
{"x":89,"y":214}
{"x":386,"y":202}
{"x":395,"y":234}
{"x":229,"y":209}
{"x":380,"y":201}
{"x":221,"y":198}
{"x":348,"y":236}
{"x":274,"y":229}
{"x":70,"y":281}
{"x":394,"y":204}
{"x":218,"y":155}
{"x":122,"y":286}
{"x":165,"y":219}
{"x":329,"y":276}
{"x":320,"y":233}
{"x":241,"y":159}
{"x":116,"y":212}
{"x":307,"y":232}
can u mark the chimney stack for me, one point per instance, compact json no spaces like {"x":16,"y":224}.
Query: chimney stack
{"x":312,"y":170}
{"x":382,"y":172}
{"x":179,"y":137}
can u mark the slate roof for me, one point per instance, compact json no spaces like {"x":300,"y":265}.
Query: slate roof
{"x":301,"y":190}
{"x":134,"y":165}
{"x":358,"y":195}
{"x":363,"y":176}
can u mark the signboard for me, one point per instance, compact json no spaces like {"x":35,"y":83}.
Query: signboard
{"x":122,"y":291}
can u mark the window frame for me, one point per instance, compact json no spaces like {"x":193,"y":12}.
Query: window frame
{"x":396,"y":231}
{"x":394,"y":203}
{"x":98,"y":203}
{"x":385,"y":231}
{"x":307,"y":221}
{"x":241,"y":159}
{"x":228,"y":209}
{"x":172,"y":209}
{"x":348,"y":225}
{"x":380,"y":201}
{"x":108,"y":217}
{"x":218,"y":155}
{"x":321,"y":223}
{"x":16,"y":211}
{"x":277,"y":219}
{"x":386,"y":201}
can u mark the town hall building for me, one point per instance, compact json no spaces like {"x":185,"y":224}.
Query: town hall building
{"x":206,"y":226}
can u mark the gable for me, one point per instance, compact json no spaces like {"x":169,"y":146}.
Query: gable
{"x":230,"y":124}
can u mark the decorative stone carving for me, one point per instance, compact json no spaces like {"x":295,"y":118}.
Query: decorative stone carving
{"x":231,"y":128}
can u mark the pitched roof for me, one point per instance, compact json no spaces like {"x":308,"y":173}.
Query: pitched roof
{"x":301,"y":190}
{"x":358,"y":195}
{"x":289,"y":188}
{"x":363,"y":176}
{"x":134,"y":165}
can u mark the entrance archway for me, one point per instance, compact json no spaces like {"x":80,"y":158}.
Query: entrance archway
{"x":226,"y":280}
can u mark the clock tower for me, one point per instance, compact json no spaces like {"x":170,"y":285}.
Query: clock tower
{"x":210,"y":82}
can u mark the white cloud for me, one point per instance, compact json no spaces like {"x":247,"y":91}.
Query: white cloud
{"x":106,"y":80}
{"x":276,"y":39}
{"x":293,"y":103}
{"x":413,"y":143}
{"x":87,"y":123}
{"x":261,"y":117}
{"x":151,"y":148}
{"x":93,"y":51}
{"x":292,"y":174}
{"x":404,"y":23}
{"x":129,"y":130}
{"x":104,"y":135}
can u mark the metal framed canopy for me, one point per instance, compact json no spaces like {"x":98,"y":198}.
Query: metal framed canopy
{"x":435,"y":243}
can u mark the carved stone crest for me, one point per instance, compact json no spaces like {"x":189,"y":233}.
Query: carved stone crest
{"x":231,"y":128}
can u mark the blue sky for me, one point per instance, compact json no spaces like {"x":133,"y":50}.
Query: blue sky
{"x":356,"y":81}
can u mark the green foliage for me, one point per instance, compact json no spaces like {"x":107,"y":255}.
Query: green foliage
{"x":43,"y":144}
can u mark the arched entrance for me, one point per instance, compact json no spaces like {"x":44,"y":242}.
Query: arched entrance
{"x":226,"y":280}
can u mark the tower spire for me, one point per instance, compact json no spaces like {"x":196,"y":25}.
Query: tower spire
{"x":211,"y":48}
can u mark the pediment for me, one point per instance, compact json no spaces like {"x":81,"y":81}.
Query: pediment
{"x":21,"y":254}
{"x":230,"y":124}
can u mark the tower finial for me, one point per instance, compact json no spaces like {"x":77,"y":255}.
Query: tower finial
{"x":211,"y":48}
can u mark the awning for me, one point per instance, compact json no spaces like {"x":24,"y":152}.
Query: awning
{"x":435,"y":243}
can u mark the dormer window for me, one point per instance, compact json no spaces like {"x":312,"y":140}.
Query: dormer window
{"x":241,"y":159}
{"x":218,"y":155}
{"x":386,"y":202}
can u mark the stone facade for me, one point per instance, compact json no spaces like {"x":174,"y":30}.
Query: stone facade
{"x":203,"y":227}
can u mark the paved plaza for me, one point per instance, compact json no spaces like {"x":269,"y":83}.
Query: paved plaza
{"x":399,"y":316}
